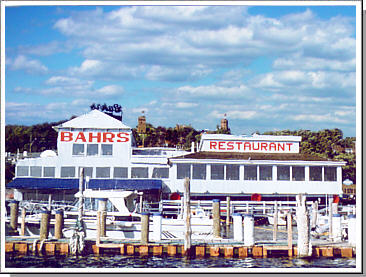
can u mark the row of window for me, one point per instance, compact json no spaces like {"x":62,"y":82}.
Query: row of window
{"x":100,"y":172}
{"x":254,"y":172}
{"x":93,"y":149}
{"x":193,"y":171}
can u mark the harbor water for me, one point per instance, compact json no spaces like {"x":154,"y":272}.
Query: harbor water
{"x":118,"y":261}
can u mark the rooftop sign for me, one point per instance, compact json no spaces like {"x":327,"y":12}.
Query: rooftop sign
{"x":256,"y":144}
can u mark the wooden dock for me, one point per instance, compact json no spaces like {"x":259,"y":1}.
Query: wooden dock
{"x":223,"y":248}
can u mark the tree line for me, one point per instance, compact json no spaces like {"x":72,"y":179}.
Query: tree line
{"x":327,"y":143}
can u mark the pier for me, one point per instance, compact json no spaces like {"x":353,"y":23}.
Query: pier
{"x":222,"y":248}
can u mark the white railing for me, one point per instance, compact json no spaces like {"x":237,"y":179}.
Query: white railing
{"x":175,"y":207}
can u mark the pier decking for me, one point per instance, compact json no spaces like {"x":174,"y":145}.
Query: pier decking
{"x":211,"y":248}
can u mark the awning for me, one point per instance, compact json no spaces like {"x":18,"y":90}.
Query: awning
{"x":59,"y":183}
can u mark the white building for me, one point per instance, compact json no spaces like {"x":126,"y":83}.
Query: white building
{"x":223,"y":164}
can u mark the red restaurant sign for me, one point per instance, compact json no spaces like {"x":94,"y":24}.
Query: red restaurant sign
{"x":250,"y":146}
{"x":98,"y":137}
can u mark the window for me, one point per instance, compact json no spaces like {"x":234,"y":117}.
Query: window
{"x":315,"y":173}
{"x":283,"y":173}
{"x":22,"y":171}
{"x":107,"y":149}
{"x":330,"y":173}
{"x":78,"y":149}
{"x":120,"y":172}
{"x":183,"y":171}
{"x":160,"y":172}
{"x":250,"y":172}
{"x":102,"y":172}
{"x":217,"y":172}
{"x":232,"y":172}
{"x":88,"y":171}
{"x":265,"y":172}
{"x":199,"y":171}
{"x":48,"y":171}
{"x":92,"y":150}
{"x":36,"y":171}
{"x":298,"y":173}
{"x":139,"y":172}
{"x":67,"y":171}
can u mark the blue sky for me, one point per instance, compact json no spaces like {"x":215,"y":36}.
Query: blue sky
{"x":266,"y":67}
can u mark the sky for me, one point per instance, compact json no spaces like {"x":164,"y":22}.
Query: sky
{"x":265,"y":67}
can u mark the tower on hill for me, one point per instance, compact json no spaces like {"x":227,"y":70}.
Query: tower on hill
{"x":141,"y":127}
{"x":224,"y":124}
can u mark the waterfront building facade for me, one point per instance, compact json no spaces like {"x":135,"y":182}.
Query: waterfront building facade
{"x":222,"y":165}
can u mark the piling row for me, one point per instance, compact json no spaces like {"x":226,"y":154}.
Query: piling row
{"x":159,"y":249}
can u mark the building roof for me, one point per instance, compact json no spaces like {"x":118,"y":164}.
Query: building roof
{"x":93,"y":120}
{"x":207,"y":155}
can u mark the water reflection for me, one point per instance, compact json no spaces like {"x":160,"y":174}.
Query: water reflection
{"x":117,"y":261}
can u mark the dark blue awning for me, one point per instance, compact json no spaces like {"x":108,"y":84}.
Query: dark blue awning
{"x":59,"y":183}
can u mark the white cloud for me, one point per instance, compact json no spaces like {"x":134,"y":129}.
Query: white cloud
{"x":214,"y":91}
{"x":26,"y":64}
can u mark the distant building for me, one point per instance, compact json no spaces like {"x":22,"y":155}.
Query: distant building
{"x":224,"y":124}
{"x":141,"y":127}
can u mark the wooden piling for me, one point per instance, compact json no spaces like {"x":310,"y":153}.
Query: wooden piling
{"x":45,"y":223}
{"x":200,"y":250}
{"x":289,"y":234}
{"x":314,"y":214}
{"x":14,"y":210}
{"x":248,"y":230}
{"x":172,"y":250}
{"x":81,"y":196}
{"x":157,"y":250}
{"x":330,"y":220}
{"x":22,"y":226}
{"x":187,"y":208}
{"x":102,"y":207}
{"x":59,"y":217}
{"x":144,"y":228}
{"x":228,"y":215}
{"x":216,"y":218}
{"x":303,"y":230}
{"x":99,"y":214}
{"x":214,"y":251}
{"x":243,"y":252}
{"x":275,"y":221}
{"x":144,"y":250}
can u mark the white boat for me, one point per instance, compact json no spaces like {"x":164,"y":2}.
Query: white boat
{"x":124,"y":222}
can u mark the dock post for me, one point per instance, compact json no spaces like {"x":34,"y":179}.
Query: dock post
{"x":99,"y":214}
{"x":248,"y":230}
{"x":216,"y":218}
{"x":157,"y":220}
{"x":144,"y":228}
{"x":289,"y":233}
{"x":314,"y":214}
{"x":14,"y":211}
{"x":228,"y":206}
{"x":59,"y":223}
{"x":102,"y":207}
{"x":275,"y":221}
{"x":303,"y":230}
{"x":330,"y":213}
{"x":238,"y":227}
{"x":337,"y":228}
{"x":188,"y":228}
{"x":352,"y":233}
{"x":22,"y":226}
{"x":45,"y":225}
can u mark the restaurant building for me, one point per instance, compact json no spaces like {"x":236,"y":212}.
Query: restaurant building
{"x":222,"y":165}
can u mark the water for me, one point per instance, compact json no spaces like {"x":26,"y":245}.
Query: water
{"x":119,"y":261}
